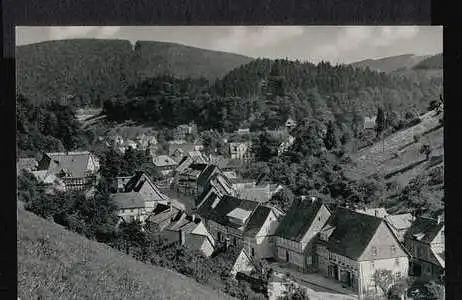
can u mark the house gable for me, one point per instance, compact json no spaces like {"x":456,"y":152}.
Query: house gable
{"x":383,"y":245}
{"x":318,"y":223}
{"x":269,"y":226}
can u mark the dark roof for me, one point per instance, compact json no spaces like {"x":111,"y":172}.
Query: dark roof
{"x":224,"y":206}
{"x":257,"y":219}
{"x":352,"y":232}
{"x":298,"y":219}
{"x":75,"y":163}
{"x":206,"y":175}
{"x":135,"y":183}
{"x":128,"y":200}
{"x":428,"y":228}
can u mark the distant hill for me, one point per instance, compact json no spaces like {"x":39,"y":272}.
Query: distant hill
{"x":95,"y":69}
{"x":434,"y":62}
{"x":54,"y":263}
{"x":392,"y":63}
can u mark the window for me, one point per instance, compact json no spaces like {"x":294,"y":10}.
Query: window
{"x":219,"y":236}
{"x":398,"y":275}
{"x":397,"y":262}
{"x":393,"y":249}
{"x":374,"y":251}
{"x":372,"y":265}
{"x":234,"y":241}
{"x":252,"y":252}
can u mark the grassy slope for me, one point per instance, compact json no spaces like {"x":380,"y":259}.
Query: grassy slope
{"x":379,"y":158}
{"x":57,"y":264}
{"x":107,"y":67}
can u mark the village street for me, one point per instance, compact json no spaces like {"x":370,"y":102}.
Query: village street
{"x":318,"y":287}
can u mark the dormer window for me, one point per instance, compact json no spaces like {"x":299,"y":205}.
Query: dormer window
{"x":374,"y":251}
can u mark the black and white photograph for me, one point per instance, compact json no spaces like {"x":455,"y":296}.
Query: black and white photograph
{"x":230,"y":162}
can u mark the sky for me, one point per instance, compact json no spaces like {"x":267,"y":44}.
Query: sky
{"x":337,"y":44}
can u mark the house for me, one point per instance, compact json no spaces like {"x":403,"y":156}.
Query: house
{"x":149,"y":192}
{"x":258,"y":193}
{"x":27,"y":164}
{"x":121,"y":182}
{"x":240,"y":223}
{"x":192,"y":157}
{"x":191,"y":232}
{"x":219,"y":185}
{"x":242,"y":264}
{"x":230,"y":174}
{"x":206,"y":176}
{"x":239,"y":150}
{"x":165,"y":164}
{"x":425,"y":242}
{"x":295,"y":236}
{"x":49,"y":181}
{"x":186,"y":181}
{"x":179,"y":149}
{"x":162,"y":216}
{"x":369,"y":123}
{"x":243,"y":131}
{"x":183,"y":130}
{"x":352,"y":246}
{"x":379,"y":212}
{"x":399,"y":224}
{"x":77,"y":170}
{"x":285,"y":145}
{"x":290,"y":123}
{"x":130,"y":206}
{"x":242,"y":183}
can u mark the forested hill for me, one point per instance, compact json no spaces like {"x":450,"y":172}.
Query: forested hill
{"x":93,"y":69}
{"x":324,"y":90}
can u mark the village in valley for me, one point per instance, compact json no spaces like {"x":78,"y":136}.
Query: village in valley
{"x":215,"y":196}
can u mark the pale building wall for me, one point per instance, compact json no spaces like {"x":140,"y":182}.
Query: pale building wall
{"x":399,"y":266}
{"x":137,"y":213}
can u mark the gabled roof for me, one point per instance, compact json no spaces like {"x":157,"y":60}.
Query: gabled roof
{"x":352,"y":232}
{"x":377,"y":212}
{"x":183,"y":164}
{"x":206,"y":174}
{"x":256,"y":193}
{"x":257,"y":219}
{"x":163,"y":161}
{"x":73,"y":163}
{"x":163,"y":212}
{"x":128,"y":200}
{"x":136,"y":183}
{"x":223,"y":208}
{"x":424,"y":229}
{"x":399,"y":222}
{"x":219,"y":160}
{"x":298,"y":219}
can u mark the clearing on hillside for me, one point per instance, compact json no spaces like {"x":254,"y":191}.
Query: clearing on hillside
{"x":398,"y":157}
{"x":54,"y":263}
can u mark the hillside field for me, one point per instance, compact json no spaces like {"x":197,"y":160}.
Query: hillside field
{"x":54,"y":263}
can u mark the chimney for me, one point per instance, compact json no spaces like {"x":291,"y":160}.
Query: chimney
{"x":193,"y":217}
